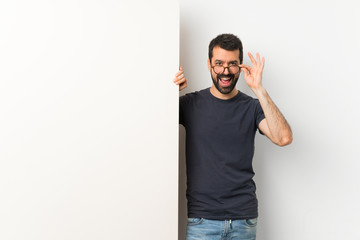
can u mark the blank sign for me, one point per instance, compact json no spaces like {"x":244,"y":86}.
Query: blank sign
{"x":88,"y":119}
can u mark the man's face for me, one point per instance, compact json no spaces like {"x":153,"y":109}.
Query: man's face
{"x":224,"y":82}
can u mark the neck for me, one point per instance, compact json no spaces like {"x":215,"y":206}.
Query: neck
{"x":217,"y":94}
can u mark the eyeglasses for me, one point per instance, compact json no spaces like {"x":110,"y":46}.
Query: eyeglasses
{"x":233,"y":69}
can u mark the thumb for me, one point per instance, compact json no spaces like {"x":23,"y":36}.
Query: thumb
{"x":246,"y":72}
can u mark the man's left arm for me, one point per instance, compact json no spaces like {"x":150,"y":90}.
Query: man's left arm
{"x":274,"y":126}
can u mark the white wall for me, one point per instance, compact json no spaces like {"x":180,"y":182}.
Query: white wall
{"x":310,"y":189}
{"x":88,"y":119}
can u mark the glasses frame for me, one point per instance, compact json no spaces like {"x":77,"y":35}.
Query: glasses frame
{"x":228,"y":67}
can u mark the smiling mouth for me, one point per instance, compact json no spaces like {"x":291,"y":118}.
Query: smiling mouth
{"x":225,"y":81}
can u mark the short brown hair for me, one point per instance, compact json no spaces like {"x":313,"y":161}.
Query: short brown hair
{"x":228,"y":42}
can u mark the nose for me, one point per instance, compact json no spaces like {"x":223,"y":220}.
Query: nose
{"x":226,"y":70}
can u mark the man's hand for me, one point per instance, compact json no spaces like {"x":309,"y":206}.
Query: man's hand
{"x":274,"y":126}
{"x":253,"y":75}
{"x":180,"y":79}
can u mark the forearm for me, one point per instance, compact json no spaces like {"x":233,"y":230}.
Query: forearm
{"x":280,"y":131}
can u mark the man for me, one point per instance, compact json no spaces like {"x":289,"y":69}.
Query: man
{"x":220,"y":124}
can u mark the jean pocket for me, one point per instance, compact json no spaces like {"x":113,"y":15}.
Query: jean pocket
{"x":194,"y":221}
{"x":251,"y":222}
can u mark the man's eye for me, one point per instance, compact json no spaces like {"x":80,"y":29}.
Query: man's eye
{"x":218,"y":64}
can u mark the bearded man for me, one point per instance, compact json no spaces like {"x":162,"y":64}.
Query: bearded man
{"x":221,"y":123}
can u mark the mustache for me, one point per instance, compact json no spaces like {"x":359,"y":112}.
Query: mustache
{"x":218,"y":76}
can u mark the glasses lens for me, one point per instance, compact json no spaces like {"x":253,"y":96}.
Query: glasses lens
{"x":234,"y":69}
{"x":218,"y":69}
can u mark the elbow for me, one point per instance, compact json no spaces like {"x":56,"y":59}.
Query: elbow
{"x":285,"y":141}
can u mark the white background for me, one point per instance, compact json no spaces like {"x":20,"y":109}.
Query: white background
{"x":88,"y":119}
{"x":310,"y":189}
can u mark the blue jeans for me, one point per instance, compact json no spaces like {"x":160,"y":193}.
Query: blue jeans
{"x":205,"y":229}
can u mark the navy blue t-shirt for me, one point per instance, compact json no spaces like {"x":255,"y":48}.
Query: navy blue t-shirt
{"x":220,"y":138}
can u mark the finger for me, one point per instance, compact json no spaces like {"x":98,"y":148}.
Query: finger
{"x":180,"y":76}
{"x":180,"y":68}
{"x":176,"y":78}
{"x":245,"y":71}
{"x":245,"y":66}
{"x":180,"y":81}
{"x":179,"y":73}
{"x":182,"y":86}
{"x":258,"y":58}
{"x":263,"y":63}
{"x":252,"y":59}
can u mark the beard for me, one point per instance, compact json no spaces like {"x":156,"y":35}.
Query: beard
{"x":228,"y":89}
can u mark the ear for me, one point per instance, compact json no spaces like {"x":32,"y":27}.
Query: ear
{"x":209,"y":65}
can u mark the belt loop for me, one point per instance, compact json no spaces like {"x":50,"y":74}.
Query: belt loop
{"x":230,"y":224}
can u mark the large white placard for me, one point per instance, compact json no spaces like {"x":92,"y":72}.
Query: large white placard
{"x":88,"y":119}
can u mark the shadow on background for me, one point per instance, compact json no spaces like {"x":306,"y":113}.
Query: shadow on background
{"x":182,"y":185}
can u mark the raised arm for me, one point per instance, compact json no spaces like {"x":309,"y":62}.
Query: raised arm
{"x":274,"y":126}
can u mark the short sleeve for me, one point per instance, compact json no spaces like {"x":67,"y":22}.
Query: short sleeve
{"x":259,"y":114}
